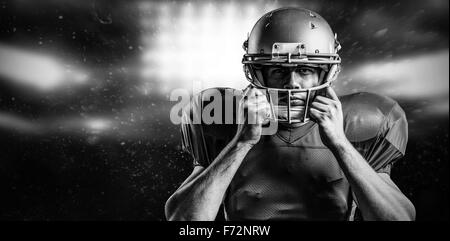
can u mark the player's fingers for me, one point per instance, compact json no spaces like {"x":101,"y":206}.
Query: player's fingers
{"x":254,"y":114}
{"x":321,"y":107}
{"x":253,"y":91}
{"x":316,"y":115}
{"x":263,"y":113}
{"x":246,"y":90}
{"x":256,"y":98}
{"x":258,"y":103}
{"x":327,"y":101}
{"x":262,"y":99}
{"x":330,"y":92}
{"x":323,"y":100}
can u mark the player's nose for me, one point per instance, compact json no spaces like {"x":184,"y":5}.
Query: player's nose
{"x":294,"y":81}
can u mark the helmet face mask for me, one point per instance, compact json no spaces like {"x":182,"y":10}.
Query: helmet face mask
{"x":291,"y":38}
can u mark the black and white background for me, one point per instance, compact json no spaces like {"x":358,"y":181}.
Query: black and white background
{"x":85,"y":84}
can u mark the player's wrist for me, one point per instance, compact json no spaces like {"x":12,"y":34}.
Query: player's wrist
{"x":340,"y":144}
{"x":248,"y":134}
{"x":245,"y":144}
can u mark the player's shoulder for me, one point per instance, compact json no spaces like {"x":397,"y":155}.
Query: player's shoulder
{"x":214,"y":110}
{"x":368,"y":114}
{"x":368,"y":101}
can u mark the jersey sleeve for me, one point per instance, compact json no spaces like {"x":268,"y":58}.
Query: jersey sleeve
{"x":377,"y":127}
{"x":204,"y":141}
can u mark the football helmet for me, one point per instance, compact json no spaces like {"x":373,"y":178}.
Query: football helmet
{"x":291,"y":37}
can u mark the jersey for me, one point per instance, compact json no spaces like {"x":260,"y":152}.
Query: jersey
{"x":292,"y":175}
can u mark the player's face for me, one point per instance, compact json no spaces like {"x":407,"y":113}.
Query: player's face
{"x":299,"y":77}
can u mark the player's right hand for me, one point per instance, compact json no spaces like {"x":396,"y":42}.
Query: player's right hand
{"x":254,"y":111}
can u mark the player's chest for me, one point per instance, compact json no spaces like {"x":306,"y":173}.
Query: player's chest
{"x":304,"y":162}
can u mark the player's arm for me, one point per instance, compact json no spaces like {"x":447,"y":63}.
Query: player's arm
{"x":377,"y":196}
{"x":200,"y":196}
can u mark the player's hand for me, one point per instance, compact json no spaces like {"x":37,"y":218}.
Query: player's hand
{"x":327,"y":112}
{"x":253,"y":112}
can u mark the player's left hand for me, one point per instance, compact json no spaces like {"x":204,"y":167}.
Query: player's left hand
{"x":327,"y":112}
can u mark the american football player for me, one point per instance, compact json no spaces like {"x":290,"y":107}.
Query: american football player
{"x":330,"y":157}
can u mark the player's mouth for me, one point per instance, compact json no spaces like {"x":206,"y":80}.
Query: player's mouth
{"x":295,"y":100}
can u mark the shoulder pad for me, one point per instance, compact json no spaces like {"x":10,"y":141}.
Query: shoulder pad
{"x":204,"y":138}
{"x":367,"y":115}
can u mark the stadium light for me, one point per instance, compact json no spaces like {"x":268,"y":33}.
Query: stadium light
{"x":197,"y":42}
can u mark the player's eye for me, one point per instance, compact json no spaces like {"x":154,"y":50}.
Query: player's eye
{"x":278,"y":71}
{"x":306,"y":71}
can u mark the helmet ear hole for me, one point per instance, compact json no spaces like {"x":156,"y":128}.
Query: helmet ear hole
{"x":245,"y":45}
